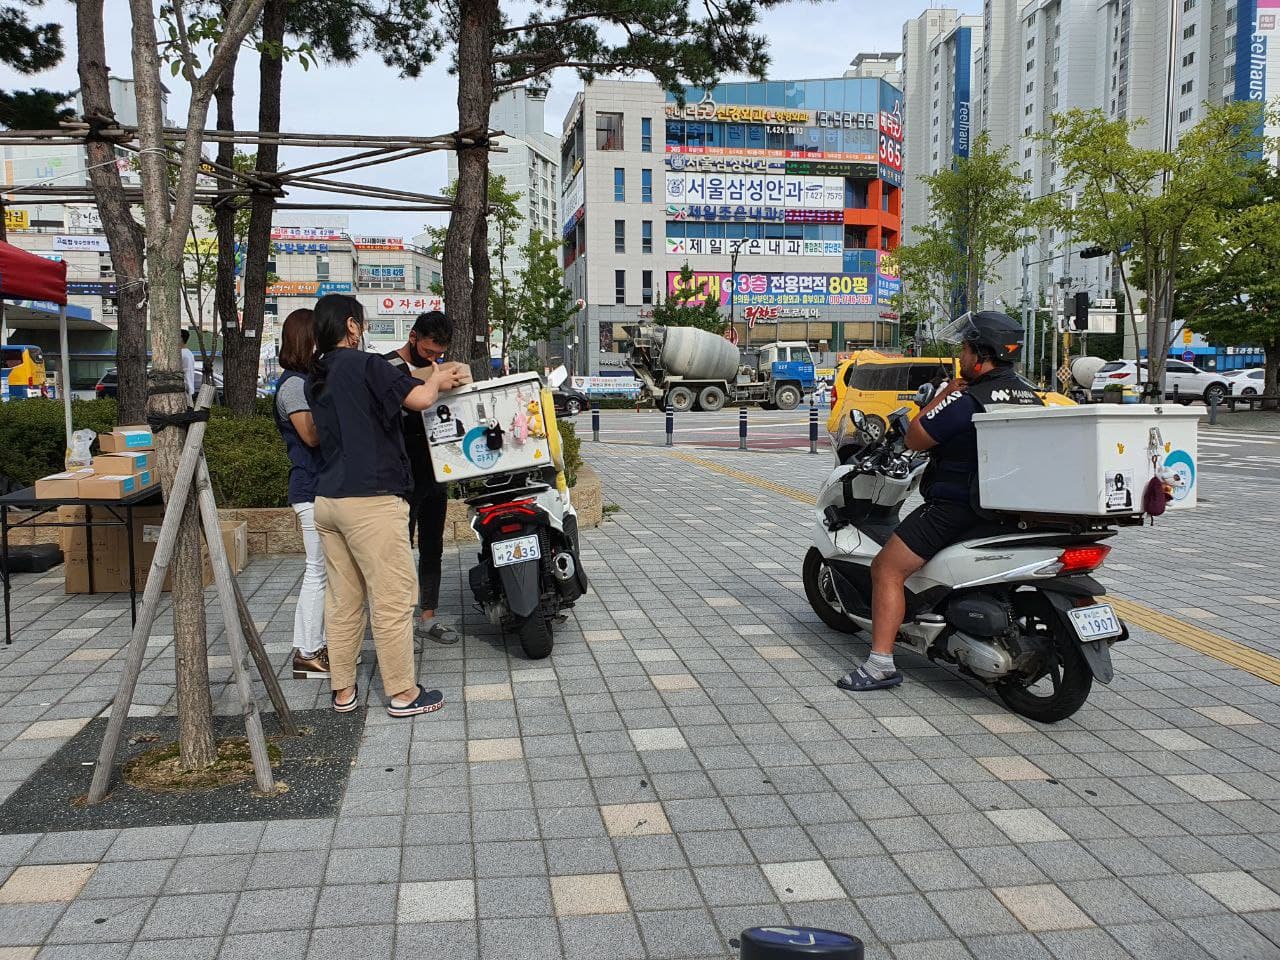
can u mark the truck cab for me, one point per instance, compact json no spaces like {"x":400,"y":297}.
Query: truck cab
{"x":787,"y":366}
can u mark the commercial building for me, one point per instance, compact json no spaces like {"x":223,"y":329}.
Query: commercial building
{"x":783,"y":197}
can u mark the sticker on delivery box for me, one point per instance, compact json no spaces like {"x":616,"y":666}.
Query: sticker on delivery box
{"x":1183,"y":468}
{"x":1119,"y":485}
{"x":442,"y":426}
{"x":475,"y":447}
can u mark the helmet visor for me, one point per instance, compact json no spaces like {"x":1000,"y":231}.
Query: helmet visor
{"x":958,"y":331}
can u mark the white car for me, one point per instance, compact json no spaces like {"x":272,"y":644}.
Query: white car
{"x":1191,"y":382}
{"x":1247,"y":383}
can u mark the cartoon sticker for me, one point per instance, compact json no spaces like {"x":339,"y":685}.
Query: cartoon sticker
{"x":1183,"y":468}
{"x":475,"y":447}
{"x":1119,"y":486}
{"x":442,"y":426}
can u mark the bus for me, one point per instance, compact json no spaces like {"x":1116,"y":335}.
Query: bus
{"x":22,"y":372}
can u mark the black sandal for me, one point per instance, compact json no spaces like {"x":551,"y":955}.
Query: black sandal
{"x":859,"y":680}
{"x":351,"y":704}
{"x":427,"y":701}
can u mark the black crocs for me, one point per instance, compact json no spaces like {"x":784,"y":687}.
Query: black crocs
{"x":427,"y":701}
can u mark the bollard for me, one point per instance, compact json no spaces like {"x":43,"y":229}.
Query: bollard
{"x":595,"y":421}
{"x":742,"y":427}
{"x":1213,"y":409}
{"x":1176,"y":397}
{"x":671,"y":422}
{"x":813,"y":426}
{"x":785,"y":943}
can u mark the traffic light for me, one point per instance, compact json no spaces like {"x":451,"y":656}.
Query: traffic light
{"x":1092,"y":253}
{"x":1082,"y":311}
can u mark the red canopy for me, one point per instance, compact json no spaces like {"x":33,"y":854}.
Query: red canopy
{"x":24,"y":276}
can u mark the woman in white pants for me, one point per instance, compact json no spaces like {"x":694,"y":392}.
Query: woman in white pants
{"x":293,"y":417}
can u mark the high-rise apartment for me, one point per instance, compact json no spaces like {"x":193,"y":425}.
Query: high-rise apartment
{"x":783,"y":197}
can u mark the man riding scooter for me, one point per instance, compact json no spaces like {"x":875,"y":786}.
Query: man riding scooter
{"x":990,"y":344}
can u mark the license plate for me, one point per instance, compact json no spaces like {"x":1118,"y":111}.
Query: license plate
{"x":507,"y":552}
{"x":1096,"y":622}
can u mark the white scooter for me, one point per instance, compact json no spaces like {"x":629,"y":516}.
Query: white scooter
{"x":1013,"y":606}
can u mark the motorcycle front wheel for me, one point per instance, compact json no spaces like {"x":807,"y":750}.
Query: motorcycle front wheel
{"x":1064,"y":686}
{"x":821,"y":593}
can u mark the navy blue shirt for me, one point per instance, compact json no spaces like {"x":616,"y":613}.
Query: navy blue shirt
{"x":357,"y":414}
{"x":955,"y":458}
{"x":304,"y":461}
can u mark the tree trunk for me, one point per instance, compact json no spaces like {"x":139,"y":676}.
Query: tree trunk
{"x":124,"y":238}
{"x":224,"y":216}
{"x":1271,"y":380}
{"x":477,"y":21}
{"x":482,"y":282}
{"x":242,"y":342}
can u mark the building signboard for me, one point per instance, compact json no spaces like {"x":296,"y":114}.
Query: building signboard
{"x":571,"y":202}
{"x":79,"y":288}
{"x":306,"y":288}
{"x":411,"y":304}
{"x":770,"y":190}
{"x":720,"y":246}
{"x":687,"y":163}
{"x":960,"y":120}
{"x":305,"y":233}
{"x":377,"y":243}
{"x":741,"y":213}
{"x":299,"y":247}
{"x":777,"y":289}
{"x":93,"y":244}
{"x":16,"y":219}
{"x":379,"y":272}
{"x":708,"y":109}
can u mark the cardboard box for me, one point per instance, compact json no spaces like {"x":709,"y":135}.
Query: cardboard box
{"x":123,"y":464}
{"x":111,"y":551}
{"x":61,"y":486}
{"x":101,"y":487}
{"x":124,"y":439}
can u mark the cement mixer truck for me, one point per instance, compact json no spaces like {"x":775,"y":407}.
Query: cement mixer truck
{"x":693,"y":369}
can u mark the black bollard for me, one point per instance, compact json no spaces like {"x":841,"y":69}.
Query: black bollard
{"x":1213,"y":409}
{"x":671,"y":422}
{"x":595,"y":420}
{"x":794,"y":943}
{"x":1176,"y":397}
{"x":813,"y":425}
{"x":742,"y":427}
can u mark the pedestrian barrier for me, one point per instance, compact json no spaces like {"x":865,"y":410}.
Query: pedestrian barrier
{"x":671,"y":422}
{"x":742,"y":427}
{"x":813,"y":426}
{"x":595,"y":420}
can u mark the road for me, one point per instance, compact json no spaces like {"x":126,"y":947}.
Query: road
{"x":1224,"y":449}
{"x":766,"y":429}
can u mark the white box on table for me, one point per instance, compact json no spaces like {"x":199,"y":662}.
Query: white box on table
{"x":1092,"y":460}
{"x":461,"y":423}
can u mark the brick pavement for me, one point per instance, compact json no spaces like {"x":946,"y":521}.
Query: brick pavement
{"x":682,"y":767}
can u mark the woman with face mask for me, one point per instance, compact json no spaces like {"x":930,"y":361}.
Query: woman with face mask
{"x":361,"y":505}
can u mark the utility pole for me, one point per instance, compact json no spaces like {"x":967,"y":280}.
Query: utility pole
{"x":1028,"y":315}
{"x":733,"y":273}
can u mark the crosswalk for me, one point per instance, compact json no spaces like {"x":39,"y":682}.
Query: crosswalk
{"x":1251,"y":453}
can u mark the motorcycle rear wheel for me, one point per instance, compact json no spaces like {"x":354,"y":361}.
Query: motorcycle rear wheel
{"x":1067,"y":683}
{"x":821,"y":594}
{"x":535,"y":633}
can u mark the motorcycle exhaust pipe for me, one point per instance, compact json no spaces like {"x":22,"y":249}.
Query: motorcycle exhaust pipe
{"x":563,"y":567}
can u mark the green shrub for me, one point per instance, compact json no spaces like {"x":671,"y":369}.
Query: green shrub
{"x":247,"y":462}
{"x":572,"y":445}
{"x":33,"y":435}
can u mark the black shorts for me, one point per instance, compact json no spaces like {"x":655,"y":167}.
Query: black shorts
{"x":936,"y":524}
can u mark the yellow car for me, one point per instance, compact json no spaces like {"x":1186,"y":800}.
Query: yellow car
{"x":878,"y":384}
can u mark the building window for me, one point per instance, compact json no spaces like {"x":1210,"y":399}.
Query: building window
{"x":619,"y":236}
{"x":646,"y":135}
{"x":1189,"y":32}
{"x":1184,"y":116}
{"x":619,"y":185}
{"x":646,"y":186}
{"x":1189,"y":59}
{"x":322,"y":268}
{"x":619,"y":286}
{"x":646,"y":236}
{"x":608,"y":131}
{"x":1188,"y":5}
{"x":1188,"y":86}
{"x":646,"y":286}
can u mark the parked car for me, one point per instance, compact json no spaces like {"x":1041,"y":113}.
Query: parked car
{"x":569,"y":401}
{"x":108,"y":386}
{"x":1247,"y":383}
{"x":1192,"y":382}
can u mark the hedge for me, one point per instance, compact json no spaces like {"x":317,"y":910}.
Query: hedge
{"x":247,"y":460}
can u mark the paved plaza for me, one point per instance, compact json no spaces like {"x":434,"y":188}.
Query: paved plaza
{"x":682,"y":767}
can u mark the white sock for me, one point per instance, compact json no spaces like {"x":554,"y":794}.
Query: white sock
{"x":879,"y":665}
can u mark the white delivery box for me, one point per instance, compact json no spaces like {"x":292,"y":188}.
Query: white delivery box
{"x":1089,"y":461}
{"x":488,"y":428}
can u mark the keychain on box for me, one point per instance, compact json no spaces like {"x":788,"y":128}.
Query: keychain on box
{"x":520,"y":422}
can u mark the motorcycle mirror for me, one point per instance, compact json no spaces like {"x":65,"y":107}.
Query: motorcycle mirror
{"x":859,"y":418}
{"x":899,"y":421}
{"x":924,"y":394}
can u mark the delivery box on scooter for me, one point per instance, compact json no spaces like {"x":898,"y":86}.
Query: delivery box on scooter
{"x":492,"y":427}
{"x":1088,"y":461}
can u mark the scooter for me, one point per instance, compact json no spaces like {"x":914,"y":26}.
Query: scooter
{"x":1013,"y":606}
{"x":529,"y":567}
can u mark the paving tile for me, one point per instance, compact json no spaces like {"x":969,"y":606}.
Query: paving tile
{"x":909,"y":727}
{"x":436,"y":900}
{"x":587,"y":894}
{"x":53,"y":729}
{"x":778,"y":653}
{"x":660,"y":889}
{"x":276,"y":945}
{"x":1228,"y":716}
{"x":1013,"y":768}
{"x":973,"y":912}
{"x":1026,"y":825}
{"x":46,"y":883}
{"x":584,"y":938}
{"x":803,"y":880}
{"x":1177,"y":740}
{"x":1207,"y":787}
{"x":371,"y":942}
{"x":634,"y":819}
{"x":263,"y":911}
{"x":658,"y":738}
{"x":1043,"y":907}
{"x":733,"y":885}
{"x":1237,"y":891}
{"x":672,"y":934}
{"x":528,"y":938}
{"x":487,"y":692}
{"x":674,"y":682}
{"x":898,"y":919}
{"x":1003,"y":723}
{"x":501,"y":748}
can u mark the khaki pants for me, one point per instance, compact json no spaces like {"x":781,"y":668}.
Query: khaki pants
{"x":367,"y":557}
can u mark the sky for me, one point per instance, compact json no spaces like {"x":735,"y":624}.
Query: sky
{"x":367,"y":97}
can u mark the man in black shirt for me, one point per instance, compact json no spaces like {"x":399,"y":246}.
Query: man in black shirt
{"x":428,"y":341}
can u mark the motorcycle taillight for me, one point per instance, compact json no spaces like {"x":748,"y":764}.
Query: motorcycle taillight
{"x":511,"y":527}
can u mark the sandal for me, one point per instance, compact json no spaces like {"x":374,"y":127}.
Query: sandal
{"x":437,"y":632}
{"x":351,"y":704}
{"x":427,"y":701}
{"x":859,"y":680}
